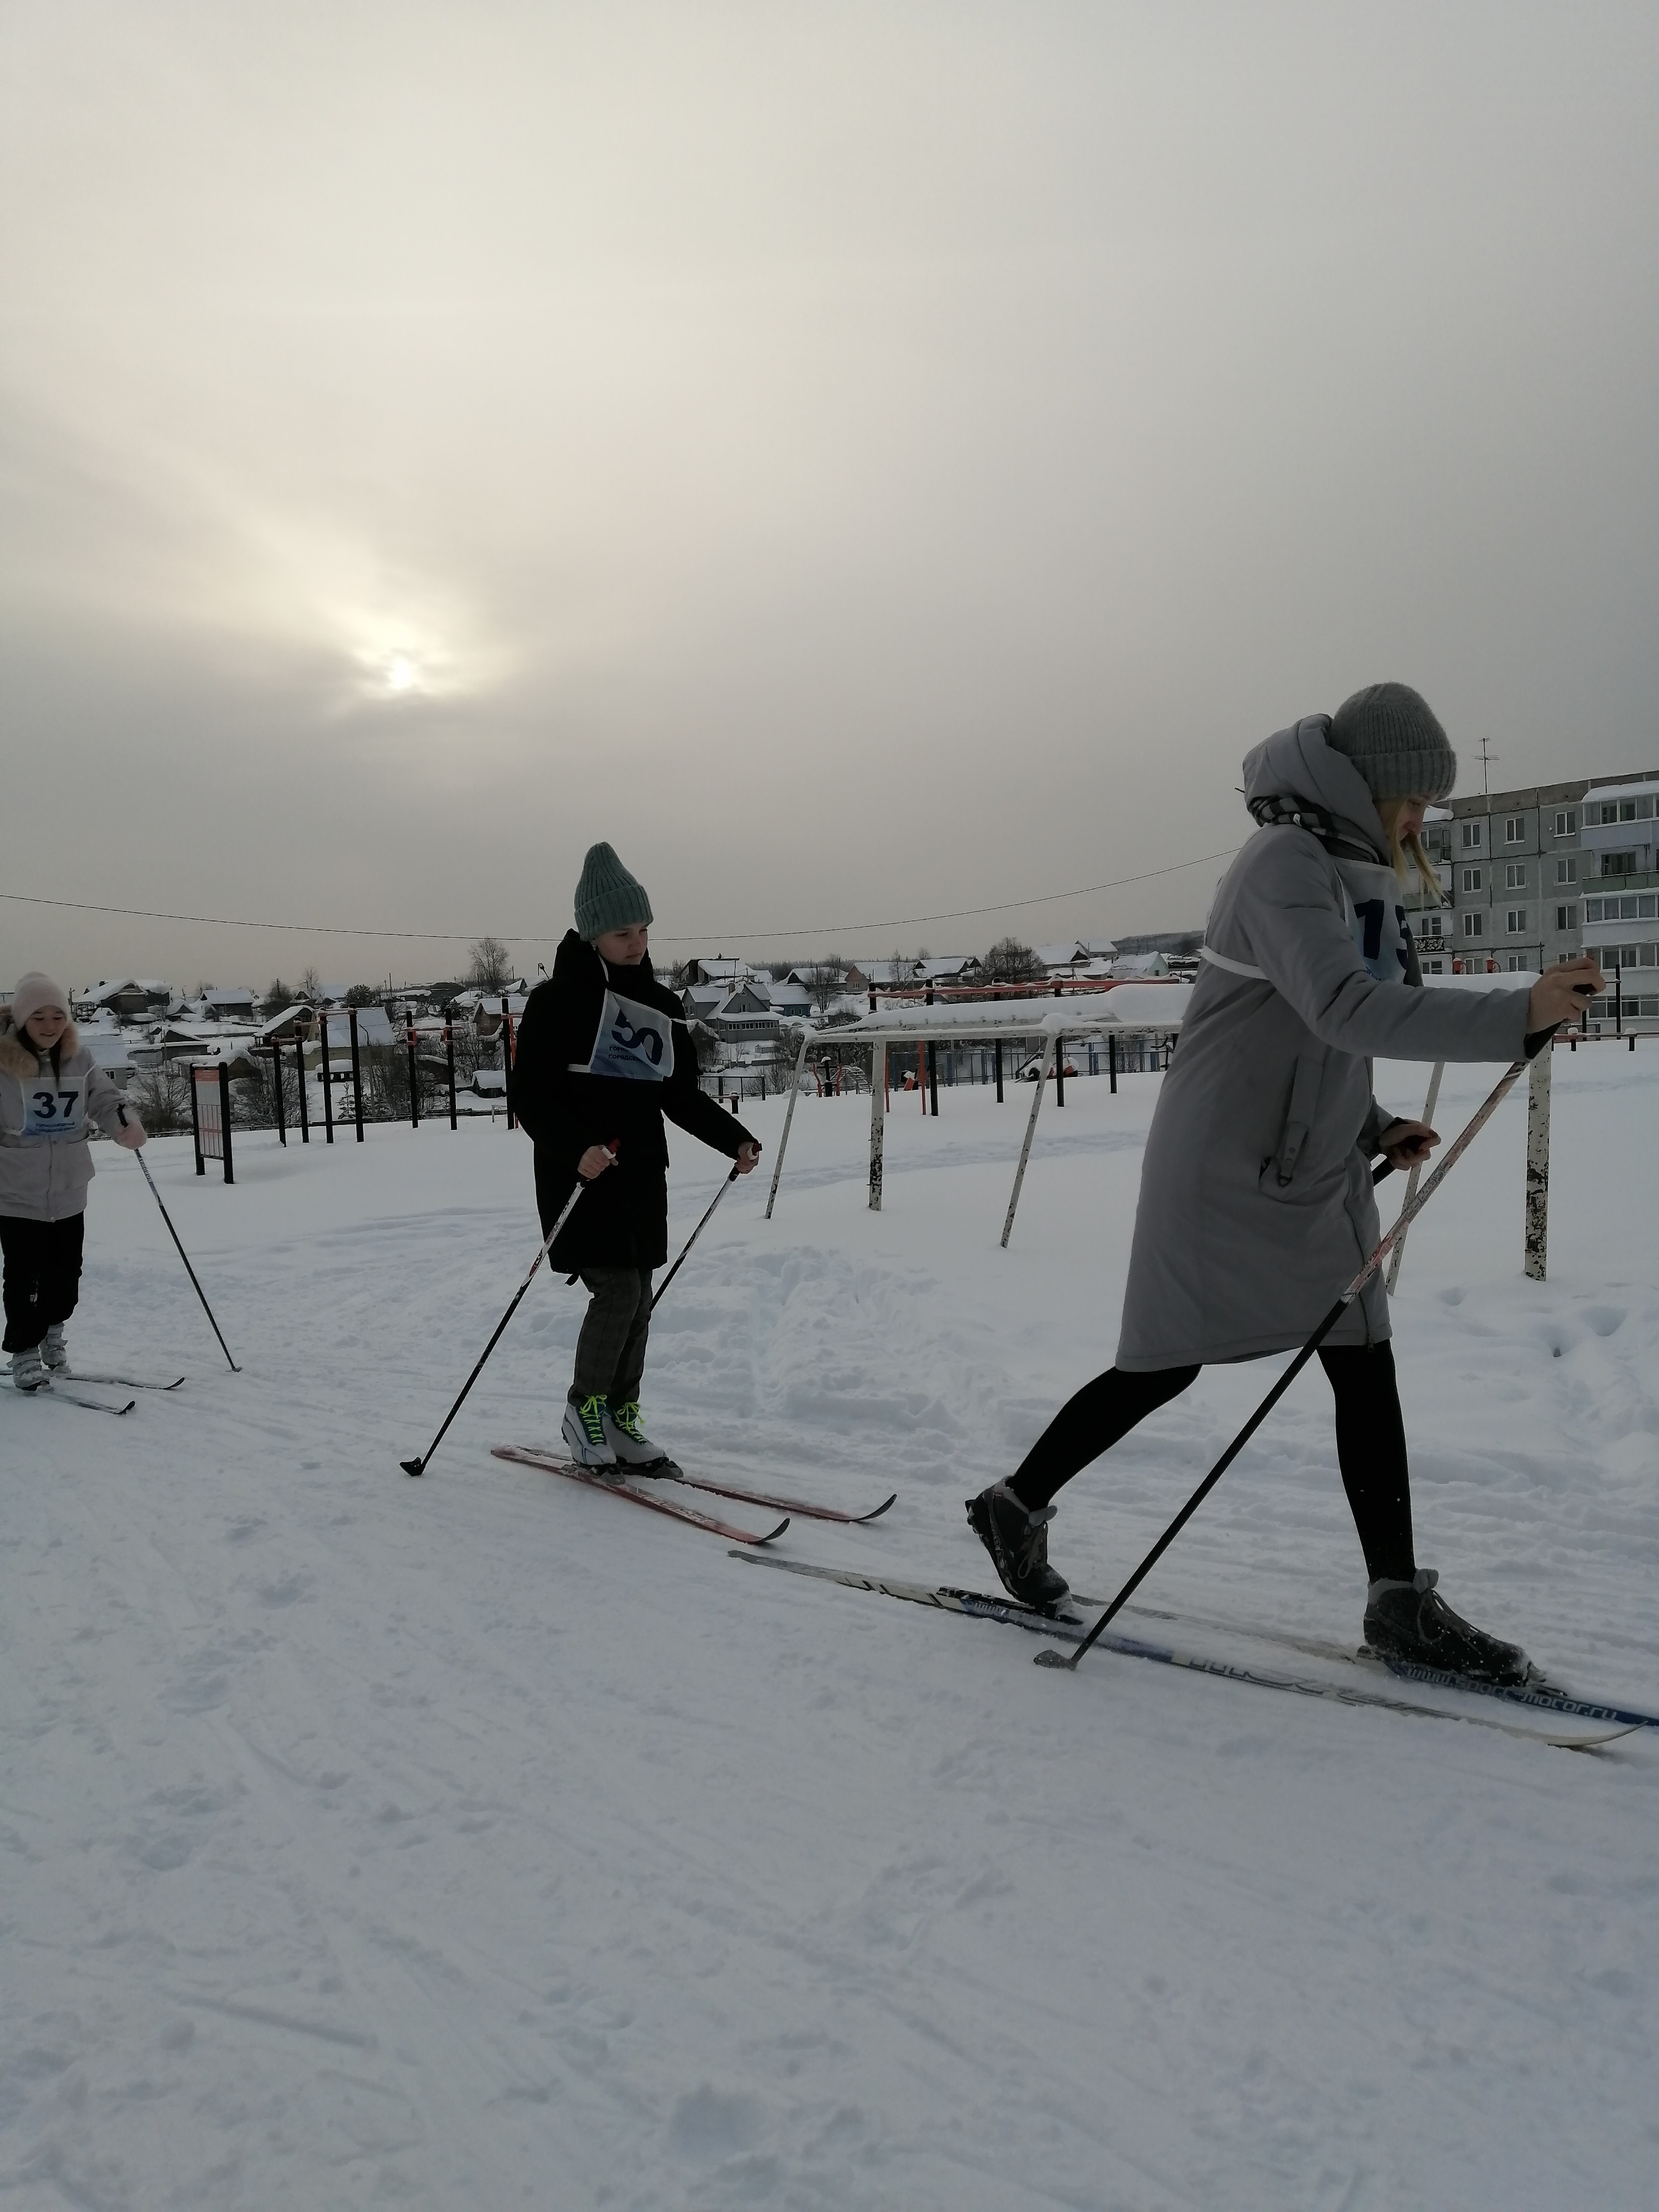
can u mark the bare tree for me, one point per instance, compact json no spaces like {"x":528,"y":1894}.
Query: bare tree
{"x":491,"y":964}
{"x":826,"y":981}
{"x":310,"y":986}
{"x":1009,"y":961}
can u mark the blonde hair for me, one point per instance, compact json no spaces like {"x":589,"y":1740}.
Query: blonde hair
{"x":1401,"y":848}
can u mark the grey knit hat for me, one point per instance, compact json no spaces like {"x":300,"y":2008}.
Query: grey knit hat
{"x":608,"y":897}
{"x":1391,"y":735}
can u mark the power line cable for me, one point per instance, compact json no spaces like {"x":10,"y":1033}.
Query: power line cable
{"x":681,"y":937}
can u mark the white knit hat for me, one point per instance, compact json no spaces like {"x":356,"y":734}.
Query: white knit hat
{"x":34,"y":991}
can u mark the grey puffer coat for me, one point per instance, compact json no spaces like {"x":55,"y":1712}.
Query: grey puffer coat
{"x":46,"y":1163}
{"x":1256,"y":1204}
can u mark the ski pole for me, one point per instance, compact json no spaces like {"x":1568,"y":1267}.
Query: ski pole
{"x":420,"y":1466}
{"x":1408,"y":1213}
{"x":1411,"y":1180}
{"x":693,"y":1237}
{"x":182,"y":1254}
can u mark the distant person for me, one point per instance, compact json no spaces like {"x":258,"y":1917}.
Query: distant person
{"x":1256,"y":1193}
{"x":50,"y":1085}
{"x":603,"y":1053}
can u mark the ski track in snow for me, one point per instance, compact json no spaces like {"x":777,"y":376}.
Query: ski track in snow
{"x":473,"y":1840}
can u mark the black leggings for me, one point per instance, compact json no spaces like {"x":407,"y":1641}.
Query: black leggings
{"x":1370,"y":1444}
{"x":43,"y":1275}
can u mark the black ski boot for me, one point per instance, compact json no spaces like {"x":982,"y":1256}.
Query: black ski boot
{"x":1408,"y":1621}
{"x":1018,"y":1541}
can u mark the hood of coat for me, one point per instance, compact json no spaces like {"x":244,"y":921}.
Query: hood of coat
{"x":576,"y":961}
{"x":19,"y":1057}
{"x":1298,"y":768}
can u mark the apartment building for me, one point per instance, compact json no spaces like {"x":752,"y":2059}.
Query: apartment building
{"x":1535,"y":875}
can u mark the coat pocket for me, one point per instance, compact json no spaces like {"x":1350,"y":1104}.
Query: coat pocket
{"x":1277,"y":1178}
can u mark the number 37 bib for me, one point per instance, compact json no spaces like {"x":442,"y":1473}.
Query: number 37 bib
{"x":54,"y":1108}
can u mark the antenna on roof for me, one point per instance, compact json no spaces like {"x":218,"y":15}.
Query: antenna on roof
{"x":1487,"y":756}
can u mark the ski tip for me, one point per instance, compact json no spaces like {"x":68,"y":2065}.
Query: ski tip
{"x":773,"y":1535}
{"x":1055,"y":1659}
{"x":876,"y":1512}
{"x":412,"y":1465}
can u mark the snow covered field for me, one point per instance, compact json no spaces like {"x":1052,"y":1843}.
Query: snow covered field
{"x":482,"y":1841}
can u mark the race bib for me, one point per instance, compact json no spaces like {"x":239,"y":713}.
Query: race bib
{"x":1377,"y":917}
{"x":635,"y":1042}
{"x":53,"y":1108}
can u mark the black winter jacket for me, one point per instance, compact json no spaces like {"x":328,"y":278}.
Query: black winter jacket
{"x":566,"y":1104}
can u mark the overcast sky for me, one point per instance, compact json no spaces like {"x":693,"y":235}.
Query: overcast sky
{"x":863,"y":462}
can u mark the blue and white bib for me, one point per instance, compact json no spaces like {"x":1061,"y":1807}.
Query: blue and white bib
{"x":54,"y":1106}
{"x":1377,"y":917}
{"x":634,"y":1042}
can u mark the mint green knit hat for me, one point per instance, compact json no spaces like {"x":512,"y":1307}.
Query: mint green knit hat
{"x":608,"y":897}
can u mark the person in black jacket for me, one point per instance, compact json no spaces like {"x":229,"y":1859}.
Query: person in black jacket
{"x":602,"y":1055}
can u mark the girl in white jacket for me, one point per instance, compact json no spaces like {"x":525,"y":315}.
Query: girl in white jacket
{"x":50,"y":1085}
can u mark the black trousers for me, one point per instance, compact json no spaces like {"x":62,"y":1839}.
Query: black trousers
{"x":611,"y":1350}
{"x":43,"y":1275}
{"x":1370,"y":1444}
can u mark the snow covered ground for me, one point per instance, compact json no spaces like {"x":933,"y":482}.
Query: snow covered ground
{"x":481,"y":1841}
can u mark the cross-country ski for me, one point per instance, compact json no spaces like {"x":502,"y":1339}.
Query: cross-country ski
{"x":665,"y":1471}
{"x":615,"y":1486}
{"x":125,"y":1382}
{"x":58,"y":1392}
{"x":974,"y":1605}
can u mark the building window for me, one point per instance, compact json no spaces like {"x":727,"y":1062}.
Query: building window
{"x":1475,"y":924}
{"x":1433,"y":925}
{"x":1436,"y":967}
{"x":1515,"y":830}
{"x":1515,"y":962}
{"x":1566,"y":917}
{"x":1618,"y":864}
{"x":1566,"y":822}
{"x":1627,"y":809}
{"x":1566,"y":869}
{"x":1514,"y":921}
{"x":1515,"y":875}
{"x":1471,"y":880}
{"x":1475,"y":836}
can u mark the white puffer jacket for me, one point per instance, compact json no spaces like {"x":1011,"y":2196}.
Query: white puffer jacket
{"x":45,"y":1162}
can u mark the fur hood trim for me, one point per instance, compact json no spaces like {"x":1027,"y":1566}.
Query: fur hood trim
{"x":21,"y":1059}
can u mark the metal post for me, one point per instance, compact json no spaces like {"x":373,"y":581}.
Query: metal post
{"x":195,"y":1118}
{"x":1618,"y":998}
{"x":1111,"y":1060}
{"x":224,"y":1116}
{"x":933,"y":1076}
{"x":788,"y":1117}
{"x":507,"y":1061}
{"x":1030,"y":1131}
{"x":300,"y":1071}
{"x":1060,"y":1068}
{"x":414,"y":1072}
{"x":328,"y":1086}
{"x":356,"y":1074}
{"x":878,"y":1117}
{"x":276,"y":1077}
{"x":449,"y":1055}
{"x":997,"y":1057}
{"x":1538,"y":1163}
{"x":1411,"y":1181}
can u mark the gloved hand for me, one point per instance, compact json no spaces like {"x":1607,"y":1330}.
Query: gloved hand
{"x":132,"y":1132}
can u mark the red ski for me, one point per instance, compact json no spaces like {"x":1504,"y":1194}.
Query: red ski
{"x":668,"y":1472}
{"x":527,"y":1455}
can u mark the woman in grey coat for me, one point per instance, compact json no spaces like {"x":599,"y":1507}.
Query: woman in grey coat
{"x":50,"y":1087}
{"x":1255,"y":1195}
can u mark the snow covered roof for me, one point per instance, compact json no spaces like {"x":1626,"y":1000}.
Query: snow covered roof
{"x":1157,"y":1006}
